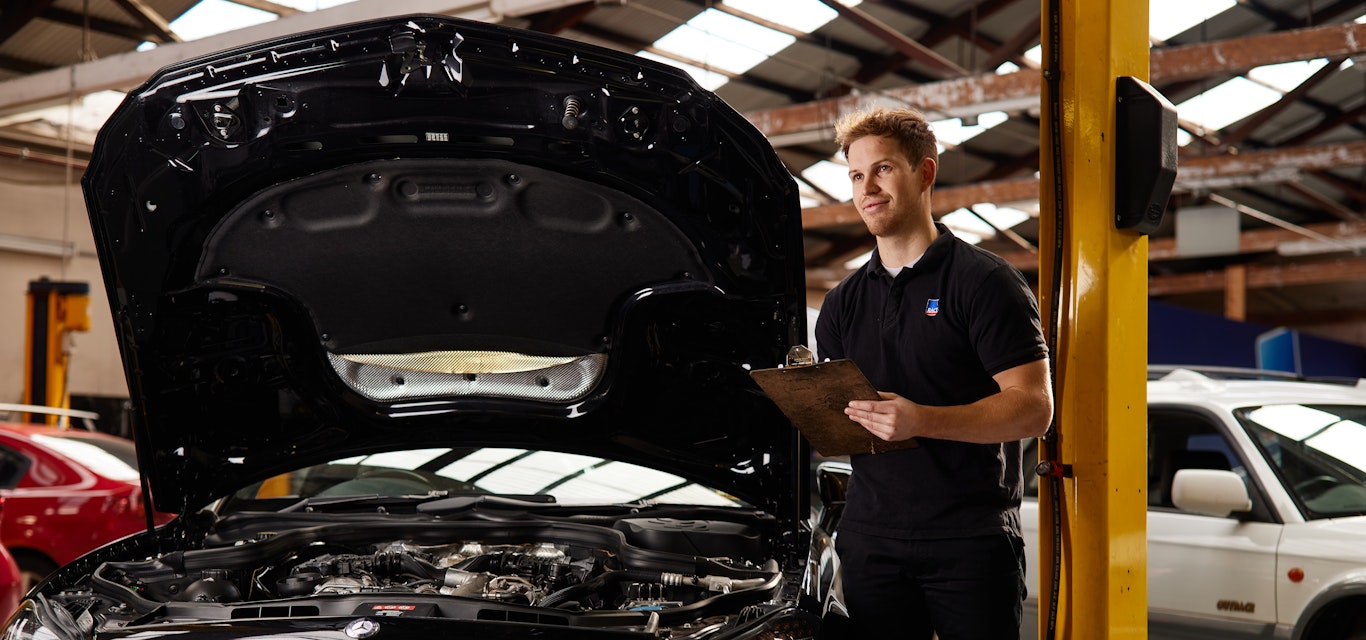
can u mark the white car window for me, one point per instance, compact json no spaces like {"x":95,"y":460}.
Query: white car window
{"x":1317,"y":451}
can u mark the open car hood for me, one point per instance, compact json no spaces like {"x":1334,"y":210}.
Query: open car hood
{"x":427,"y":231}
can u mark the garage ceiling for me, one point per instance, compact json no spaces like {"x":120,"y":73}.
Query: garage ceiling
{"x":1293,"y":169}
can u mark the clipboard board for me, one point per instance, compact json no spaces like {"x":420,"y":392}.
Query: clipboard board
{"x":814,"y":396}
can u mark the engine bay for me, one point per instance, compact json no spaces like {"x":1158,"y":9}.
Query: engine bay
{"x":660,"y":576}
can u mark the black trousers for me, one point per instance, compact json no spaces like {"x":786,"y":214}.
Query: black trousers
{"x":960,"y":588}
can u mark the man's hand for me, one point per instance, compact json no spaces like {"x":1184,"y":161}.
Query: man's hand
{"x":1021,"y":409}
{"x":891,"y":419}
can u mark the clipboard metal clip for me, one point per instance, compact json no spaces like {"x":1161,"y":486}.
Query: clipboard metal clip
{"x":800,"y":356}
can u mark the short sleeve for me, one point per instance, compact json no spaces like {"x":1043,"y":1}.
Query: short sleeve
{"x":1005,"y":327}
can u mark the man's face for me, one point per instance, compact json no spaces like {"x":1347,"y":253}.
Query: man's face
{"x":891,"y":192}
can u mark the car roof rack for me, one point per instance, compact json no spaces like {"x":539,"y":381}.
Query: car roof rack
{"x":1213,"y":372}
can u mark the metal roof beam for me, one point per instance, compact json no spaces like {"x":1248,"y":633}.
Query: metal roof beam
{"x":1263,"y":277}
{"x":1011,"y":48}
{"x":1236,"y":55}
{"x":946,"y":199}
{"x":101,"y":25}
{"x":558,"y":20}
{"x":126,"y":70}
{"x":1244,"y":130}
{"x":897,"y":40}
{"x":1255,"y":167}
{"x":1019,"y":90}
{"x":1265,"y":240}
{"x":267,"y":6}
{"x":1162,"y":249}
{"x":9,"y":63}
{"x":150,"y":19}
{"x":1323,"y":202}
{"x":1330,"y":121}
{"x":961,"y":25}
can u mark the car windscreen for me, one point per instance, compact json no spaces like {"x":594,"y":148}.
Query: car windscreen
{"x":558,"y":477}
{"x":114,"y":459}
{"x":1318,"y":452}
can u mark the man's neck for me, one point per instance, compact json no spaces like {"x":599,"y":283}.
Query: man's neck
{"x":903,"y":248}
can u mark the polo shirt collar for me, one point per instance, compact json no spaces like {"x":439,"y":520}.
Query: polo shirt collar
{"x":934,"y":254}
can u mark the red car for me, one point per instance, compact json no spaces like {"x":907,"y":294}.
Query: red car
{"x":66,"y":491}
{"x":11,"y":584}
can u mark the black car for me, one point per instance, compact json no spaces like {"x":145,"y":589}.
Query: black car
{"x":441,"y":328}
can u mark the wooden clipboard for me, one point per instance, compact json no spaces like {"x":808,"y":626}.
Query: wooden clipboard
{"x":814,"y":396}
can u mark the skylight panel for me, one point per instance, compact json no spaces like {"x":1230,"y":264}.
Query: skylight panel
{"x":1168,"y":18}
{"x":966,"y":226}
{"x":1286,"y":76}
{"x":802,"y":15}
{"x":858,"y":261}
{"x":954,"y":132}
{"x":724,"y":41}
{"x":1227,"y":103}
{"x":975,"y":227}
{"x":830,"y":177}
{"x":1002,"y":217}
{"x":709,"y":80}
{"x":212,"y":17}
{"x":312,"y":5}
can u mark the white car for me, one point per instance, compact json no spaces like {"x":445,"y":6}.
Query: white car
{"x":1256,"y":509}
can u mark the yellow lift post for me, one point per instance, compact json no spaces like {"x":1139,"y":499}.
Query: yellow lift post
{"x":1099,"y":315}
{"x":55,"y":310}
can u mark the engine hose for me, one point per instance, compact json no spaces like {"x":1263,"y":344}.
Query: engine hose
{"x":593,"y":584}
{"x":105,"y":586}
{"x":391,"y":565}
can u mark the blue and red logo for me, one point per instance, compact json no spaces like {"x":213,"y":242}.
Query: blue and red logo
{"x":932,"y":307}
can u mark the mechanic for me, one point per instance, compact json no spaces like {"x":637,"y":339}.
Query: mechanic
{"x":950,"y":336}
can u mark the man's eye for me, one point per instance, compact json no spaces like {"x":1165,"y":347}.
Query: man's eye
{"x":885,"y":168}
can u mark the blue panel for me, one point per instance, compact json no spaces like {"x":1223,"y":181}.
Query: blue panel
{"x":1279,"y":350}
{"x":1182,"y":336}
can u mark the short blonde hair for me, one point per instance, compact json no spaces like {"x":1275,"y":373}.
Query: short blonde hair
{"x":905,"y":125}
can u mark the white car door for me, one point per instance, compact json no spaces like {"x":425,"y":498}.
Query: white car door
{"x":1208,"y":573}
{"x":1208,"y":577}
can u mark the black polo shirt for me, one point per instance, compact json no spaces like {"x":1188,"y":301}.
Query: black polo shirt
{"x":935,"y":334}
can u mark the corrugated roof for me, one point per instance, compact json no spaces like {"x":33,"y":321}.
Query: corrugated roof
{"x":846,"y":55}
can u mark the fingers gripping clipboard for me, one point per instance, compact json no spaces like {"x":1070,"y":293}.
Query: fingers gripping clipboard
{"x":814,"y":396}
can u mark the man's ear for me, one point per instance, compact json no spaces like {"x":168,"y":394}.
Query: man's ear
{"x":931,"y":169}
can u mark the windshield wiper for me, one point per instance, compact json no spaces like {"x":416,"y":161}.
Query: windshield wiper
{"x":362,"y":499}
{"x":463,"y":502}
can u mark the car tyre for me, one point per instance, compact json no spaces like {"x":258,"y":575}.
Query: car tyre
{"x":33,"y":568}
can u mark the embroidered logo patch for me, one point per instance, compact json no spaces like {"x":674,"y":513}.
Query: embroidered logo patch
{"x":932,"y":307}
